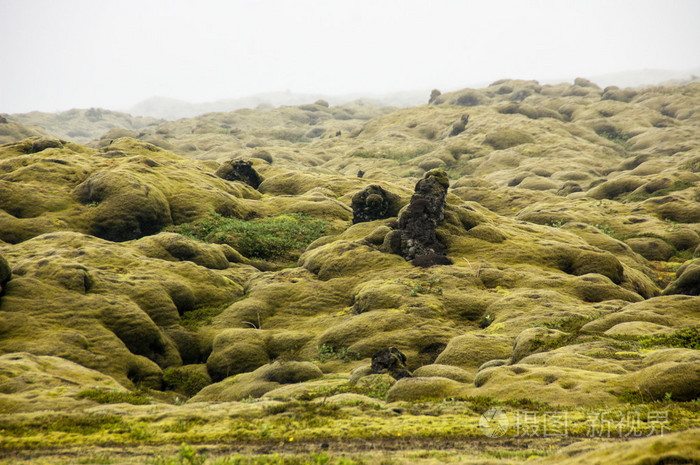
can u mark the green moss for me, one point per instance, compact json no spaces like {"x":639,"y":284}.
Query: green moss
{"x":328,"y":352}
{"x":105,"y":396}
{"x":431,"y":286}
{"x":676,"y":186}
{"x":376,"y":389}
{"x":569,"y":324}
{"x":506,"y":138}
{"x":72,"y":424}
{"x":612,"y":134}
{"x":398,"y":155}
{"x":199,"y":317}
{"x":687,"y":338}
{"x":278,"y":237}
{"x":189,"y":455}
{"x":187,"y":382}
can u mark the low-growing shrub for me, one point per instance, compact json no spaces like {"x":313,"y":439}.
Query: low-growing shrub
{"x":277,"y":237}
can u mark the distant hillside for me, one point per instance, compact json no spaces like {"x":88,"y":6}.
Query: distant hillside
{"x":172,"y":109}
{"x":11,"y":131}
{"x":82,"y":125}
{"x":646,"y":77}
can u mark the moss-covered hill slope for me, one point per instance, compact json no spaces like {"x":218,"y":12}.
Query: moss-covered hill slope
{"x":571,"y":231}
{"x":79,"y":125}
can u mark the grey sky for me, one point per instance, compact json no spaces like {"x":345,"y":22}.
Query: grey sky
{"x":61,"y":54}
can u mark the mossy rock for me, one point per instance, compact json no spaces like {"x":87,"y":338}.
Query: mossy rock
{"x":364,"y":326}
{"x":175,"y":247}
{"x":538,"y":183}
{"x":43,"y":143}
{"x":422,"y":389}
{"x":61,"y":382}
{"x":344,"y":258}
{"x":359,"y":373}
{"x":287,"y":343}
{"x":582,"y":262}
{"x":687,"y":280}
{"x":667,"y":448}
{"x":651,"y":248}
{"x":287,"y":372}
{"x":126,"y":207}
{"x":674,"y":208}
{"x":557,"y":385}
{"x":187,"y":379}
{"x":534,"y":340}
{"x":673,"y":311}
{"x":236,"y":351}
{"x":638,"y":329}
{"x":615,"y":187}
{"x":488,"y":233}
{"x":594,"y":287}
{"x":377,"y":294}
{"x":506,"y":138}
{"x":472,"y":350}
{"x":679,"y":380}
{"x":444,"y":371}
{"x":683,"y":239}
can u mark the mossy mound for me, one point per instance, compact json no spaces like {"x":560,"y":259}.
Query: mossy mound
{"x":566,"y":212}
{"x":107,"y":306}
{"x":687,"y":280}
{"x":39,"y":382}
{"x":260,"y":381}
{"x":128,"y":191}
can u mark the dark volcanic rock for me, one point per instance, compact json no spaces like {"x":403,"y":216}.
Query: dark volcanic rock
{"x":390,"y":361}
{"x":374,"y":203}
{"x":239,"y":170}
{"x":5,"y":272}
{"x":418,"y":221}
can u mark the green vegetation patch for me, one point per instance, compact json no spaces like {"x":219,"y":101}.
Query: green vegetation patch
{"x":376,"y":389}
{"x":327,"y":353}
{"x":188,"y":455}
{"x":199,"y":317}
{"x":276,"y":237}
{"x":187,"y":382}
{"x":687,"y":338}
{"x":106,"y":396}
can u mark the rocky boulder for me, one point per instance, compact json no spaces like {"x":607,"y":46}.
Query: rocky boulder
{"x":374,"y":203}
{"x":391,"y":361}
{"x":419,"y":219}
{"x":240,"y":170}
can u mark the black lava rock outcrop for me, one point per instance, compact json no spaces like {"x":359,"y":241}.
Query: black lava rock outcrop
{"x":417,"y":222}
{"x":391,"y":361}
{"x":240,"y":170}
{"x":374,"y":203}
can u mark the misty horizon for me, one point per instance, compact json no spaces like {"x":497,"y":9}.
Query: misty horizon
{"x":81,"y":54}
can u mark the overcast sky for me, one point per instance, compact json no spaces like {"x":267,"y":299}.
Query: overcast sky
{"x":62,"y":54}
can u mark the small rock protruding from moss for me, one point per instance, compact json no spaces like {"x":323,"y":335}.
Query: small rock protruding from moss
{"x":240,"y":170}
{"x":391,"y":361}
{"x":418,"y":221}
{"x":373,"y":203}
{"x":434,"y":94}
